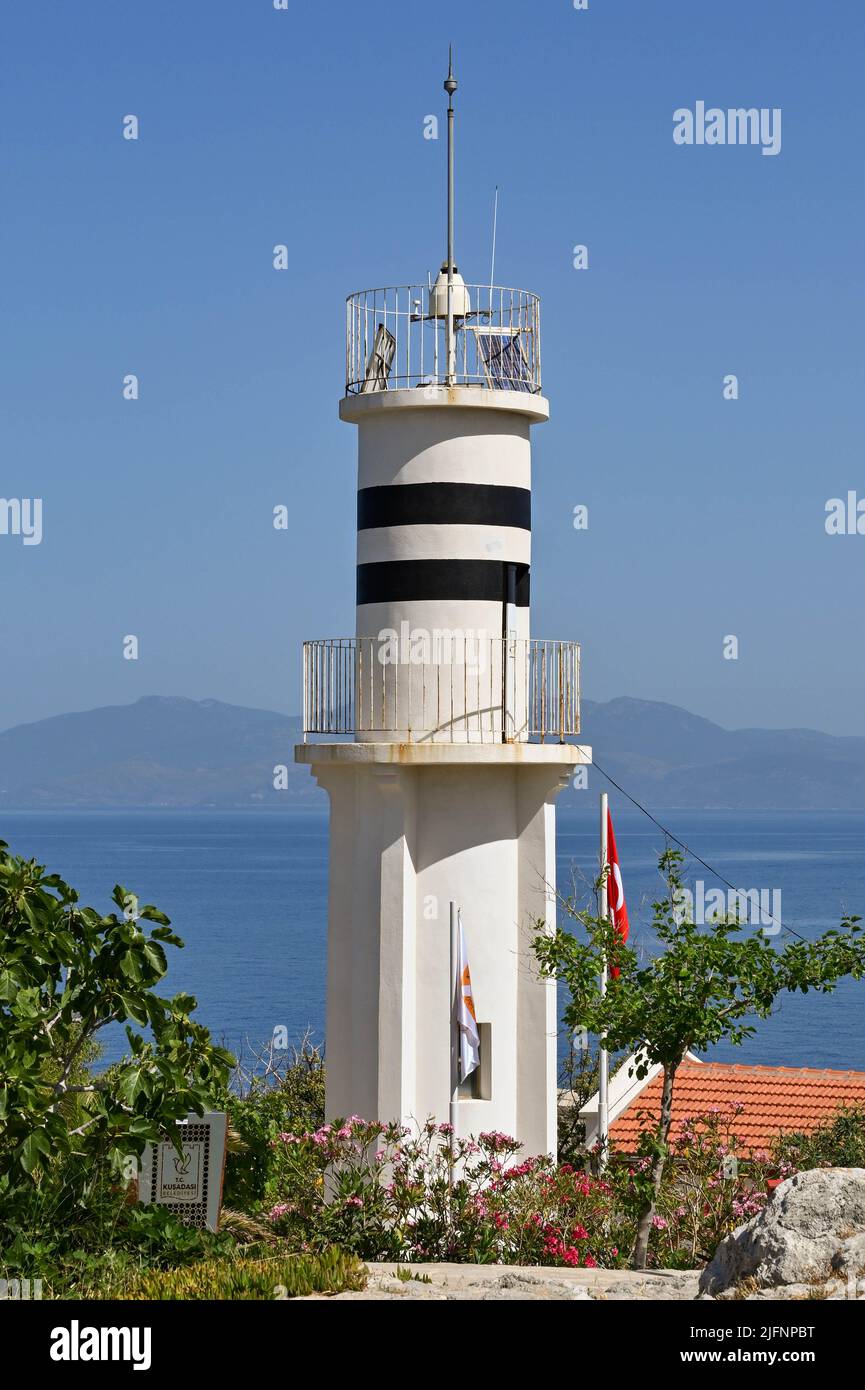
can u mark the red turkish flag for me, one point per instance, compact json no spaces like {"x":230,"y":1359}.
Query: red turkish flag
{"x":616,"y":905}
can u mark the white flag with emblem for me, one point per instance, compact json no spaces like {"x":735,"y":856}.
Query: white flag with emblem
{"x":466,"y":1016}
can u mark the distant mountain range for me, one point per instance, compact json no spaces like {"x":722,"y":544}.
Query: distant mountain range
{"x":169,"y":751}
{"x":667,"y":757}
{"x":160,"y":751}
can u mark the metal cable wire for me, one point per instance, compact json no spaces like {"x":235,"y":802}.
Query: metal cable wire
{"x":670,"y":836}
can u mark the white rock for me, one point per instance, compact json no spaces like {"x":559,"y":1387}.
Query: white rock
{"x":813,"y":1228}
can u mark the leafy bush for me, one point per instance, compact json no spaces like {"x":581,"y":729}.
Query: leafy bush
{"x":275,"y":1091}
{"x":838,"y":1144}
{"x":287,"y":1276}
{"x":66,"y":972}
{"x":70,"y":1139}
{"x":97,"y":1258}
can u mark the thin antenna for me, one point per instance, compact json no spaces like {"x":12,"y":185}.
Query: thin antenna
{"x":450,"y":87}
{"x":493,"y":257}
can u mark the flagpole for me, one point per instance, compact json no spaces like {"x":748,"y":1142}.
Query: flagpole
{"x":603,"y":1057}
{"x":454,"y":1033}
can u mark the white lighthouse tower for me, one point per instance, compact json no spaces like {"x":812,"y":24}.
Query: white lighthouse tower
{"x":440,"y":730}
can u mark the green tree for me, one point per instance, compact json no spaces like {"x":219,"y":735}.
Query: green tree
{"x":66,"y":972}
{"x":707,"y":983}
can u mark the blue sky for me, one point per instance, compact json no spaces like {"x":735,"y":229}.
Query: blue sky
{"x":305,"y":127}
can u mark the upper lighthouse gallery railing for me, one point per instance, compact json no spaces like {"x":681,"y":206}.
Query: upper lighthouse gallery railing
{"x":461,"y":690}
{"x":397,"y":338}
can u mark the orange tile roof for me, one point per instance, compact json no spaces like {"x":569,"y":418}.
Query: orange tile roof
{"x":776,"y":1100}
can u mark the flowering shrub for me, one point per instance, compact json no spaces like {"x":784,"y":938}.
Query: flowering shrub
{"x":707,"y":1190}
{"x":556,"y":1215}
{"x":385,"y":1192}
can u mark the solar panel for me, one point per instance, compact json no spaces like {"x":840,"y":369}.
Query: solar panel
{"x":504,"y":361}
{"x":380,"y":359}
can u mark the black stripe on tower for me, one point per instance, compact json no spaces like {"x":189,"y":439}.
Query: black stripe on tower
{"x":411,"y":581}
{"x":444,"y":504}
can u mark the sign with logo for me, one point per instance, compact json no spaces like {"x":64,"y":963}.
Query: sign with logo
{"x":188,"y":1179}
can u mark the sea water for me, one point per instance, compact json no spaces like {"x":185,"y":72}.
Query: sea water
{"x":247,"y":892}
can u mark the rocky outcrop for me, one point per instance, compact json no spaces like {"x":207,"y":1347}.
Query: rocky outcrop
{"x":811,"y":1234}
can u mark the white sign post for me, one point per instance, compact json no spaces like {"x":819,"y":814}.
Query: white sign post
{"x":188,"y":1182}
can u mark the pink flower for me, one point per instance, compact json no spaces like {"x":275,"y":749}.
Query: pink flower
{"x":497,"y":1141}
{"x":659,"y":1223}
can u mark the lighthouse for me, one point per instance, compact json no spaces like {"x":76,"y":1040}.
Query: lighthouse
{"x":442,"y":731}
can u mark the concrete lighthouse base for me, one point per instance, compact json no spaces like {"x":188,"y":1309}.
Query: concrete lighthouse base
{"x":412,"y":827}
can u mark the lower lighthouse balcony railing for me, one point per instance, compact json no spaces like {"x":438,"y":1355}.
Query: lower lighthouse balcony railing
{"x":442,"y":688}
